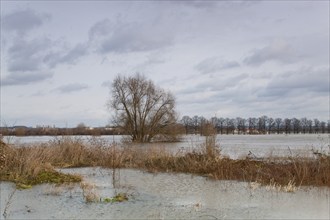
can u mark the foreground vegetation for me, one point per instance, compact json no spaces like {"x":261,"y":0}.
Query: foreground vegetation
{"x":29,"y":165}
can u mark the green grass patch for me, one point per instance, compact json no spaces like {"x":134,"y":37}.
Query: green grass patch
{"x":26,"y":182}
{"x":120,"y":197}
{"x":53,"y":177}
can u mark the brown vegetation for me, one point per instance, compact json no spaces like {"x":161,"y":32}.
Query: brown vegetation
{"x":29,"y":166}
{"x":26,"y":164}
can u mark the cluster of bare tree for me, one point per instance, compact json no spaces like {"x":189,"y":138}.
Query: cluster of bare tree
{"x":261,"y":125}
{"x":50,"y":131}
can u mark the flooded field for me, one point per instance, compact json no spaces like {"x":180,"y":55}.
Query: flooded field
{"x":168,"y":196}
{"x":163,"y":196}
{"x":233,"y":146}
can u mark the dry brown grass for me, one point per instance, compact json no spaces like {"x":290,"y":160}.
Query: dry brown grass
{"x":30,"y":165}
{"x":30,"y":161}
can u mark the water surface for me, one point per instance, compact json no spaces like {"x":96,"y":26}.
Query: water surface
{"x":164,"y":196}
{"x":233,"y":146}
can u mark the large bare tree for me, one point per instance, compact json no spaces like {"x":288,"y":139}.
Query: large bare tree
{"x":140,"y":108}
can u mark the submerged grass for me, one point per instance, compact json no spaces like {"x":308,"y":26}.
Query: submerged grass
{"x":36,"y":164}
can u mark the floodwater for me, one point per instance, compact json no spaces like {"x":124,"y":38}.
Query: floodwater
{"x":163,"y":196}
{"x":184,"y":196}
{"x":233,"y":146}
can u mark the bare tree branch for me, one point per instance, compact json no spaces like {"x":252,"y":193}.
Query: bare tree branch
{"x":141,"y":109}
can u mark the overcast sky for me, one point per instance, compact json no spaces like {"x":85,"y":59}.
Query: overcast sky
{"x":219,"y":58}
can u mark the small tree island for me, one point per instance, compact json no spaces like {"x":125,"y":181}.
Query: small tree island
{"x":141,"y":109}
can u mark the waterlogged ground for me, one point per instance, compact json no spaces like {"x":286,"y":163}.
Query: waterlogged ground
{"x":233,"y":146}
{"x":163,"y":196}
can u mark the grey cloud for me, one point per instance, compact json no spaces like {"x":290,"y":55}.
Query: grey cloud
{"x":217,"y":85}
{"x":277,"y":51}
{"x":38,"y":93}
{"x":234,"y":80}
{"x":124,"y":37}
{"x":230,"y":64}
{"x":197,"y":4}
{"x":215,"y":91}
{"x":74,"y":54}
{"x":38,"y":53}
{"x":72,"y":87}
{"x":133,"y":38}
{"x":106,"y":84}
{"x":23,"y":21}
{"x":214,"y":64}
{"x":101,"y":28}
{"x":152,"y":60}
{"x":303,"y":81}
{"x":28,"y":64}
{"x":223,"y":83}
{"x":25,"y":61}
{"x":69,"y":57}
{"x":24,"y":78}
{"x":27,"y":55}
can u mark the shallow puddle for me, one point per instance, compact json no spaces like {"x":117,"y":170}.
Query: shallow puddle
{"x":163,"y":195}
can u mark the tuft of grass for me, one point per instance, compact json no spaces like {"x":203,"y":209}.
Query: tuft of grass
{"x":54,"y":177}
{"x":54,"y":191}
{"x":23,"y":186}
{"x":89,"y":192}
{"x":120,"y":197}
{"x":290,"y":187}
{"x":254,"y":185}
{"x":26,"y":182}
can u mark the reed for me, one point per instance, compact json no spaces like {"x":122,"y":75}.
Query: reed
{"x":27,"y":164}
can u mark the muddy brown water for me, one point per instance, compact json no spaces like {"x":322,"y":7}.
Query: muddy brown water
{"x":163,"y":196}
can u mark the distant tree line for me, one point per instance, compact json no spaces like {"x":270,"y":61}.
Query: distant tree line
{"x":260,"y":125}
{"x":192,"y":125}
{"x":81,"y":129}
